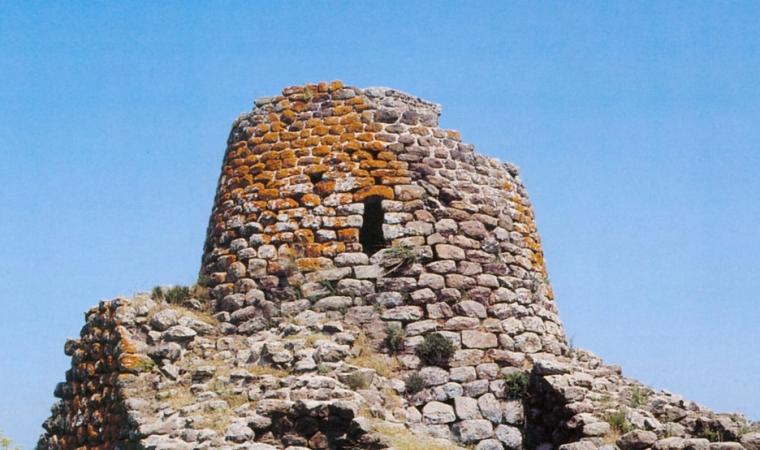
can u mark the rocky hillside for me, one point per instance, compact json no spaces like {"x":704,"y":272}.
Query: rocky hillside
{"x":368,"y":282}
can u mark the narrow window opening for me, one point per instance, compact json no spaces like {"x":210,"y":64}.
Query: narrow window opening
{"x":371,"y":234}
{"x":316,"y":177}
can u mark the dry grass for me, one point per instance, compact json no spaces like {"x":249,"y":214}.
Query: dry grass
{"x":313,"y":338}
{"x":182,"y":311}
{"x":200,"y":315}
{"x":217,"y":420}
{"x":384,"y":365}
{"x":180,"y":398}
{"x":260,"y":370}
{"x":400,"y":438}
{"x":391,"y":399}
{"x":611,"y":437}
{"x":366,"y":356}
{"x":234,"y":399}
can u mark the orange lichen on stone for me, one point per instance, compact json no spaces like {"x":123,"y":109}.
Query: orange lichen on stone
{"x":312,"y":264}
{"x":454,"y":134}
{"x":311,"y":200}
{"x":374,"y":191}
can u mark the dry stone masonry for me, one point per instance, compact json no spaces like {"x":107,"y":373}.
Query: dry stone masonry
{"x":368,"y":281}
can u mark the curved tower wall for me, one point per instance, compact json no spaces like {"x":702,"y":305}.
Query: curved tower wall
{"x":299,"y":173}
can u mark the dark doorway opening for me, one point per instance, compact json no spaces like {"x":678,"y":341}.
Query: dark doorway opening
{"x":371,"y":234}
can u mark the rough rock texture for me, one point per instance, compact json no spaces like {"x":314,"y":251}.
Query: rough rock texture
{"x":371,"y":282}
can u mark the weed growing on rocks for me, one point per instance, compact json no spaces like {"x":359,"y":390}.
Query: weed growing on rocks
{"x":414,"y":383}
{"x":327,"y":284}
{"x":435,"y":350}
{"x":618,"y":422}
{"x":398,"y":257}
{"x":394,"y":340}
{"x":367,"y":357}
{"x":516,"y":385}
{"x":638,"y":397}
{"x":356,"y":381}
{"x":176,"y":295}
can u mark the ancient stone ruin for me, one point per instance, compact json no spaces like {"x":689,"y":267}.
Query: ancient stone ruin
{"x":368,"y":282}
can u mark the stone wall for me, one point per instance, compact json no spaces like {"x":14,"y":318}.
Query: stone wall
{"x":91,"y":411}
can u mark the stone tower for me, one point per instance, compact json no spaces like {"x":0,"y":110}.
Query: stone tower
{"x":330,"y":185}
{"x":368,"y":282}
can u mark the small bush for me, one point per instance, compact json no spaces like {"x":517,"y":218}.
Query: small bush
{"x":157,"y":293}
{"x":394,"y":339}
{"x":356,"y":381}
{"x":403,"y":252}
{"x":414,"y":383}
{"x":398,"y":257}
{"x":435,"y":350}
{"x":638,"y":397}
{"x":710,"y":433}
{"x":323,"y":369}
{"x":176,"y":295}
{"x":618,"y":422}
{"x":199,"y":291}
{"x":516,"y":385}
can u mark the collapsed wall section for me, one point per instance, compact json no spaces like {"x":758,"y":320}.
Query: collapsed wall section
{"x":91,"y":412}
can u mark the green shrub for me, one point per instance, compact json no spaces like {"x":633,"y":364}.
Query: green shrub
{"x":710,"y":433}
{"x":356,"y":381}
{"x":638,"y":397}
{"x":435,"y":350}
{"x":516,"y":385}
{"x":398,"y":257}
{"x":176,"y":295}
{"x":414,"y":383}
{"x":618,"y":422}
{"x":394,"y":339}
{"x":323,"y":369}
{"x":403,"y":252}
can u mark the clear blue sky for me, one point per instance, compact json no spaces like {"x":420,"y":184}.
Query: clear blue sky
{"x":635,"y":125}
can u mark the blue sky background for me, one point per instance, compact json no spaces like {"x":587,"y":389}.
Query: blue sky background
{"x":635,"y":125}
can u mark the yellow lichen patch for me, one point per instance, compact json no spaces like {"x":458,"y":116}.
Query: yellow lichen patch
{"x":135,"y":362}
{"x":311,"y":264}
{"x":374,"y":191}
{"x":454,"y":134}
{"x":348,"y":235}
{"x":331,"y":249}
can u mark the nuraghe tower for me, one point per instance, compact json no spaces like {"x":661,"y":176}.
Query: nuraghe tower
{"x":368,"y":282}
